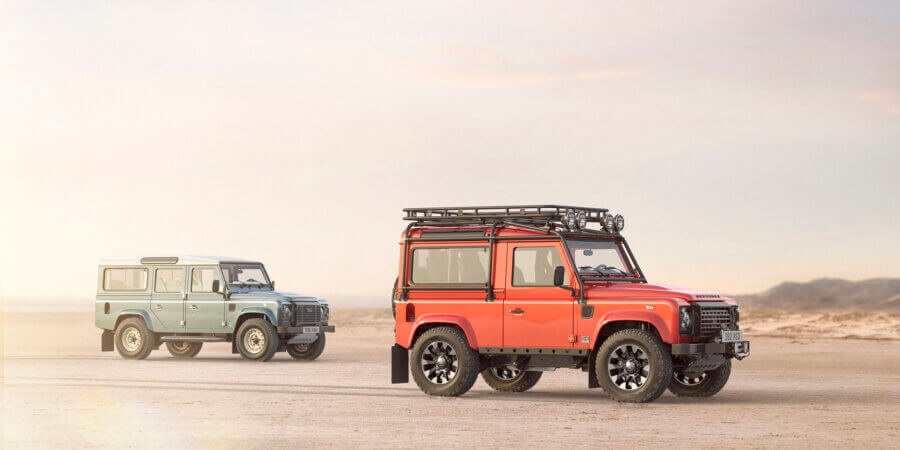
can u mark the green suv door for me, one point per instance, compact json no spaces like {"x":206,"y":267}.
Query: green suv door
{"x":204,"y":309}
{"x":167,"y":299}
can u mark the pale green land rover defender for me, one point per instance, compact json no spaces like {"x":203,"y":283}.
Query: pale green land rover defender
{"x":185,"y":301}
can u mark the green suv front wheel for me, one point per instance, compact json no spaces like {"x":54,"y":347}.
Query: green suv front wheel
{"x":257,"y":340}
{"x":307,"y":352}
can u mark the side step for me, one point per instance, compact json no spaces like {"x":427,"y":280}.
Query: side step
{"x":192,"y":339}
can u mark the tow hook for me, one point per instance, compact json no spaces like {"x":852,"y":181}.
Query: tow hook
{"x":741,"y":350}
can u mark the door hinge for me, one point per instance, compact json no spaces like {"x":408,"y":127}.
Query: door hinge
{"x":572,"y":338}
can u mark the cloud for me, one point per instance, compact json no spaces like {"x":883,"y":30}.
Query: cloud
{"x":467,"y":65}
{"x":887,"y":100}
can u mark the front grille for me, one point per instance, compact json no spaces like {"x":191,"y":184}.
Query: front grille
{"x":307,"y":314}
{"x":712,"y":319}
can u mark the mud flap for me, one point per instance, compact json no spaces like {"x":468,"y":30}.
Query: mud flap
{"x":106,"y":341}
{"x":399,"y":364}
{"x":234,"y":346}
{"x":592,"y":372}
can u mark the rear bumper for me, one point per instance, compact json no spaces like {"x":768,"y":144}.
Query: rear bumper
{"x":736,"y":349}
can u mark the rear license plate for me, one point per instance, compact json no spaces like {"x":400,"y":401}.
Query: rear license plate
{"x":732,"y":336}
{"x":308,"y":330}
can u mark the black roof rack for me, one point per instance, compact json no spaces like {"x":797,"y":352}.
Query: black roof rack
{"x":540,"y":218}
{"x":540,"y":215}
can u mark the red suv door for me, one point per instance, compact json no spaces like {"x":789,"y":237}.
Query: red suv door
{"x":535,"y":312}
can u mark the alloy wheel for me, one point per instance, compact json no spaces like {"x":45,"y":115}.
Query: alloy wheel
{"x":628,"y":367}
{"x":440,"y":363}
{"x":689,"y":380}
{"x":507,"y":372}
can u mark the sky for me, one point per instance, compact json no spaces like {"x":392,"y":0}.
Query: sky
{"x":745,"y":143}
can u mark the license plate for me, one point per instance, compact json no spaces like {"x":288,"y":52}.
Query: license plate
{"x":732,"y":336}
{"x":307,"y":330}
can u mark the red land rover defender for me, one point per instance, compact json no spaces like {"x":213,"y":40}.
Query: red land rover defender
{"x":514,"y":291}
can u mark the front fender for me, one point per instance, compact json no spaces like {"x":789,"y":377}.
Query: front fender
{"x":450,"y":319}
{"x":653,"y":318}
{"x":136,"y":312}
{"x":259,"y":310}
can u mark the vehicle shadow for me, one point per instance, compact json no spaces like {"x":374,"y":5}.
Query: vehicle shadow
{"x":593,"y":396}
{"x":729,"y":397}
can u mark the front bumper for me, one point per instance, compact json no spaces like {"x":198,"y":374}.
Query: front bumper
{"x":297,"y":336}
{"x":299,"y":330}
{"x":739,"y":350}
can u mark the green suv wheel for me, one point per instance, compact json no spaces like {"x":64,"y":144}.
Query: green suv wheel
{"x":184,"y":349}
{"x":307,"y":352}
{"x":257,"y":340}
{"x":133,"y":339}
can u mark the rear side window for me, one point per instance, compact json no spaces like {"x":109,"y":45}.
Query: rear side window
{"x":450,"y":265}
{"x":169,"y":280}
{"x":125,"y":279}
{"x":534,"y":266}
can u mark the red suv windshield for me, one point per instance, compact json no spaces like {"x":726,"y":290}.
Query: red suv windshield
{"x":598,"y":257}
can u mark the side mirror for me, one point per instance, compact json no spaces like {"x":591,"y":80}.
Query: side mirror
{"x":559,"y":275}
{"x":272,"y":283}
{"x":215,"y":286}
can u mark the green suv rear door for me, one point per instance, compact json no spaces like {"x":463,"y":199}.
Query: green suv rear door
{"x":167,"y":299}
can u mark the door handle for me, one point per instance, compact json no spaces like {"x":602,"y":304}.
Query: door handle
{"x":158,"y":307}
{"x":517,"y":311}
{"x":194,"y":307}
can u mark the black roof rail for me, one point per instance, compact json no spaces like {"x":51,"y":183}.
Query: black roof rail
{"x":539,"y":215}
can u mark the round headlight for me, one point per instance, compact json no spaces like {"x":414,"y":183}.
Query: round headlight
{"x":582,"y":220}
{"x":608,"y":223}
{"x":570,"y":219}
{"x":620,"y":222}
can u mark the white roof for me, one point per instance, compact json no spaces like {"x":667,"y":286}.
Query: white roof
{"x":182,"y":260}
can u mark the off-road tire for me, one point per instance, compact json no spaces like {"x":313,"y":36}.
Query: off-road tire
{"x":307,"y":352}
{"x":660,"y":371}
{"x":713,"y":383}
{"x":521,"y":383}
{"x":468,"y":365}
{"x":270,"y":340}
{"x":184,"y":349}
{"x":125,"y":330}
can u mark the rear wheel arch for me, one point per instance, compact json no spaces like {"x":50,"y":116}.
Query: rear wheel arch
{"x":421,"y":329}
{"x":133,"y":314}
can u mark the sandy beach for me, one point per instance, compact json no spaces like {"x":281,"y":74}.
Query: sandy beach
{"x":796,"y":390}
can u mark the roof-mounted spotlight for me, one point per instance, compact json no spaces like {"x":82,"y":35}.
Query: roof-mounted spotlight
{"x":620,"y":222}
{"x":582,"y":220}
{"x":571,"y":219}
{"x":608,"y":223}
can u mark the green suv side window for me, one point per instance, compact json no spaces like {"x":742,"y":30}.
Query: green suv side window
{"x":169,"y":280}
{"x":125,"y":279}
